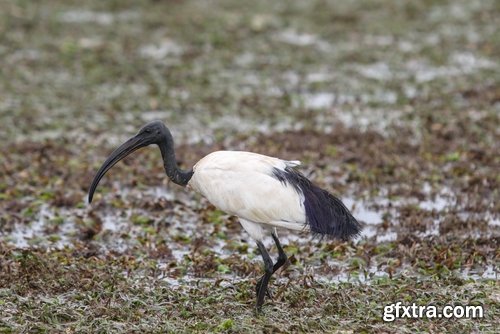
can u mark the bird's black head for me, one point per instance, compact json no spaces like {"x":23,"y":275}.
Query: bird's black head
{"x":152,"y":133}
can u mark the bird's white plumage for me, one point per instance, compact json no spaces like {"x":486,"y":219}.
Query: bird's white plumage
{"x":242,"y":184}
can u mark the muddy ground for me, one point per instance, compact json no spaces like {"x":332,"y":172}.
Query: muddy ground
{"x":393,"y":106}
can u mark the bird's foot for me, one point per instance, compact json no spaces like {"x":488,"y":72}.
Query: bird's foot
{"x":257,"y":289}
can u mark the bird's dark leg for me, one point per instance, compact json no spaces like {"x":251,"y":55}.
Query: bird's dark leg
{"x":279,"y":263}
{"x":268,"y":269}
{"x":281,"y":254}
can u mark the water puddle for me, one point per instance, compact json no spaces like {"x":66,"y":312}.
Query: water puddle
{"x":23,"y":55}
{"x":458,"y":64}
{"x":322,"y":100}
{"x":494,"y":222}
{"x":101,"y":18}
{"x":378,"y":71}
{"x":371,"y":218}
{"x":490,"y":272}
{"x":364,"y":277}
{"x":38,"y":232}
{"x":161,"y":50}
{"x":188,"y":281}
{"x":293,"y":37}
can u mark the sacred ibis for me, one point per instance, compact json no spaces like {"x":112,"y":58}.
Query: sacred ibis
{"x":265,"y":193}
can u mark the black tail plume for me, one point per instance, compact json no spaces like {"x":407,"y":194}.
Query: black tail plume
{"x":326,"y":215}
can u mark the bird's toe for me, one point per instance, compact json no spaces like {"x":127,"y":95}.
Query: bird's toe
{"x":258,"y":310}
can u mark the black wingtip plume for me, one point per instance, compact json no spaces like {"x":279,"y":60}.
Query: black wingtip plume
{"x":326,"y":215}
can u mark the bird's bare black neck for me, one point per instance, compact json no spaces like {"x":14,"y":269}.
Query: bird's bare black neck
{"x":177,"y":175}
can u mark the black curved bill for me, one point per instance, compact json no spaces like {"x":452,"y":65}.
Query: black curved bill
{"x":121,"y":152}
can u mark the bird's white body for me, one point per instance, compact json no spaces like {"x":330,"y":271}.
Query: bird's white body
{"x":242,"y":184}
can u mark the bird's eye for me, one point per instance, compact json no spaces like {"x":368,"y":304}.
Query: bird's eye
{"x":147,"y":130}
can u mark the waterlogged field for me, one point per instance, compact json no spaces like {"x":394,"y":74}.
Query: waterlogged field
{"x":393,"y":106}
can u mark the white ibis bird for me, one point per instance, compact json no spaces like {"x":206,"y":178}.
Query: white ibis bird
{"x":263,"y":192}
